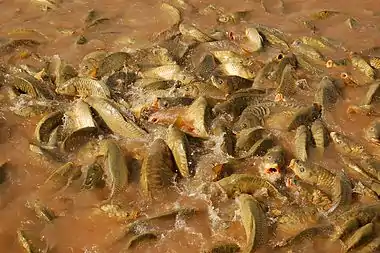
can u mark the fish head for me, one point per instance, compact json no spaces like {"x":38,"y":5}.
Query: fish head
{"x":339,"y":140}
{"x":66,"y":89}
{"x":301,"y":169}
{"x":218,"y":81}
{"x":373,"y":133}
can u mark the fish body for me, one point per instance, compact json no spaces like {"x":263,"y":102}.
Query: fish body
{"x":301,"y":142}
{"x":245,"y":183}
{"x":114,"y":119}
{"x":83,"y":86}
{"x":157,"y":168}
{"x":116,"y":169}
{"x":320,"y":135}
{"x":178,"y":143}
{"x":254,"y":222}
{"x":305,"y":116}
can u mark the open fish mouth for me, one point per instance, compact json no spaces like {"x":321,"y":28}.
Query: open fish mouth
{"x":272,"y":169}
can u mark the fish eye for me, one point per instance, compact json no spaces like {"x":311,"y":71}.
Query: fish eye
{"x":302,"y":169}
{"x":154,"y":120}
{"x":165,"y":104}
{"x":220,"y":81}
{"x":244,"y":125}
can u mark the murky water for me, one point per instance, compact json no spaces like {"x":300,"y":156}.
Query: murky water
{"x":132,"y":24}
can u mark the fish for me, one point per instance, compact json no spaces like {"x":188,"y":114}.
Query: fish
{"x":46,"y":126}
{"x":308,"y":52}
{"x":93,"y":175}
{"x":307,"y":234}
{"x":353,"y":219}
{"x":234,"y":17}
{"x":83,"y":86}
{"x":359,"y":236}
{"x":351,"y":167}
{"x":260,"y":147}
{"x":306,"y":193}
{"x":252,"y":116}
{"x":319,"y":43}
{"x":60,"y":71}
{"x":320,"y":135}
{"x":114,"y":119}
{"x":313,"y":174}
{"x":178,"y":144}
{"x":274,"y":36}
{"x":193,"y":32}
{"x":324,"y":14}
{"x":195,"y":121}
{"x":254,"y":38}
{"x":157,"y":168}
{"x":247,"y":137}
{"x":230,"y":84}
{"x":272,"y":164}
{"x":274,"y":160}
{"x":115,"y":168}
{"x":301,"y":143}
{"x":237,"y":102}
{"x":224,"y":248}
{"x":90,"y":63}
{"x":374,"y":62}
{"x":371,"y":246}
{"x":305,"y":116}
{"x":254,"y":222}
{"x":168,"y":102}
{"x":346,"y":145}
{"x":234,"y":68}
{"x":249,"y":184}
{"x":25,"y":242}
{"x":112,"y":63}
{"x":327,"y":93}
{"x":287,"y":85}
{"x":372,"y":94}
{"x":136,"y":239}
{"x":359,"y":63}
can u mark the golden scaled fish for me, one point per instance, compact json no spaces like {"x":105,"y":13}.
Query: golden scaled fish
{"x":359,"y":236}
{"x":337,"y":185}
{"x":346,"y":145}
{"x":114,"y":119}
{"x":320,"y":135}
{"x":301,"y":143}
{"x":178,"y":143}
{"x":246,"y":183}
{"x":254,"y":222}
{"x":359,"y":63}
{"x":83,"y":86}
{"x":115,"y":167}
{"x":305,"y":116}
{"x":195,"y":121}
{"x":157,"y":168}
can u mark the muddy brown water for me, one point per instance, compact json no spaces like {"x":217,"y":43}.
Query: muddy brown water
{"x":132,"y":23}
